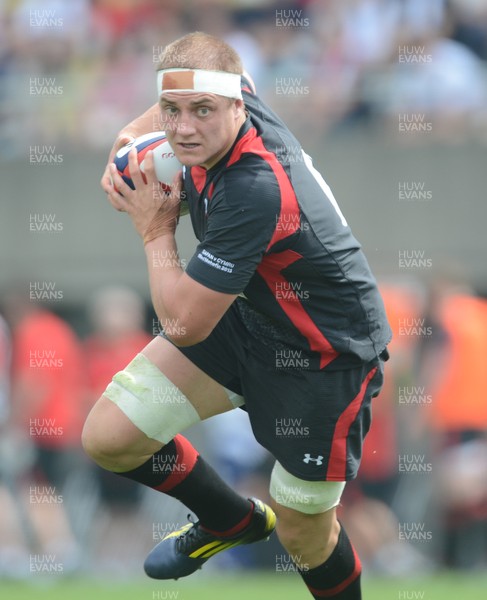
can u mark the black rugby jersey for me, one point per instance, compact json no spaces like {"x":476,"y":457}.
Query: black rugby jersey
{"x":269,"y":228}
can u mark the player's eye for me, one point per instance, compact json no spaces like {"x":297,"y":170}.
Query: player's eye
{"x":170,"y":110}
{"x":203,"y":111}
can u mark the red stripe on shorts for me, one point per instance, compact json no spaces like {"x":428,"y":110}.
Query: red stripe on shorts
{"x":337,"y":464}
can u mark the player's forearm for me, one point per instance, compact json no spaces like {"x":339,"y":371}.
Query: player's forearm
{"x":145,"y":123}
{"x":165,"y":271}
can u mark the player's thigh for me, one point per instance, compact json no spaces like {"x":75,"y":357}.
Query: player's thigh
{"x":207,"y":396}
{"x":160,"y":396}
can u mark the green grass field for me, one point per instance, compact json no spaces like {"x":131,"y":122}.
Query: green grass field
{"x":248,"y":586}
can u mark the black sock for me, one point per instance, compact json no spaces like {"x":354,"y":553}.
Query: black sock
{"x":219,"y":509}
{"x":179,"y":471}
{"x":339,"y":576}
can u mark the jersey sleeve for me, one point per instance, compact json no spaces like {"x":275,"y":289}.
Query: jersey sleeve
{"x":242,"y":216}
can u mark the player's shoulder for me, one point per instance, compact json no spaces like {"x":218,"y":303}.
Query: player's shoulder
{"x":250,"y":170}
{"x":247,"y":84}
{"x":249,"y":182}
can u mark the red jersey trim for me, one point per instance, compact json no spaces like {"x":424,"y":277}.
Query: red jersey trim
{"x":270,"y":270}
{"x":198,"y":175}
{"x":252,"y":143}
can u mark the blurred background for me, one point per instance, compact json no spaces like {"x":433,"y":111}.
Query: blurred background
{"x":389,"y":97}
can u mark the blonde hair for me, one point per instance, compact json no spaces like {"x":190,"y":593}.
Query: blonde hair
{"x":199,"y":50}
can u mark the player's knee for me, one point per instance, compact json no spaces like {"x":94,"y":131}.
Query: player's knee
{"x":292,"y":532}
{"x":302,"y":534}
{"x":140,"y":411}
{"x":303,"y":506}
{"x":99,"y":442}
{"x":112,"y":440}
{"x":91,"y":442}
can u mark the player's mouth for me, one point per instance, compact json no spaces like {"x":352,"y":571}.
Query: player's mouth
{"x":188,"y":146}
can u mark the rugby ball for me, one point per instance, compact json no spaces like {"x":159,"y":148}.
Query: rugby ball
{"x":165,"y":161}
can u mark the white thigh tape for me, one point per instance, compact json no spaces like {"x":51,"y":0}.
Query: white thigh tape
{"x":234,"y":398}
{"x":152,"y":402}
{"x":309,"y":497}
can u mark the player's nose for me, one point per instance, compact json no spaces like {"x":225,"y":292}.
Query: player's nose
{"x":186,"y":126}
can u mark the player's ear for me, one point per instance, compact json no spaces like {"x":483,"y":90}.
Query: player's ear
{"x":238,"y":107}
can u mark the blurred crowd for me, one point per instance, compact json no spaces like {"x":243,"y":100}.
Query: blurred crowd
{"x":419,"y":503}
{"x":72,"y":73}
{"x":49,"y":492}
{"x":423,"y":476}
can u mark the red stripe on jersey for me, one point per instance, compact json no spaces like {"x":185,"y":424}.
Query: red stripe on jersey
{"x":270,"y":269}
{"x":337,"y":463}
{"x":289,"y":217}
{"x":198,"y":175}
{"x":334,"y":591}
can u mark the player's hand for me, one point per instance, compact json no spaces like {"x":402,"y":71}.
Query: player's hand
{"x":120,"y":142}
{"x":153,"y":211}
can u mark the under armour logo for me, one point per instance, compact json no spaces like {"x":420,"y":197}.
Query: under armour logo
{"x":319,"y":460}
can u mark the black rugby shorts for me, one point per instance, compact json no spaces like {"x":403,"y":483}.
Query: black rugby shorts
{"x":313,"y":422}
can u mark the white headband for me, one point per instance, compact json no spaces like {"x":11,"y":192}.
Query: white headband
{"x":199,"y":80}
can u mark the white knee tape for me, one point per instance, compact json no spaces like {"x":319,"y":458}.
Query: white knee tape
{"x":152,"y":402}
{"x":309,"y":497}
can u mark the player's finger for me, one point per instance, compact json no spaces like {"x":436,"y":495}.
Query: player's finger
{"x":115,"y":203}
{"x":135,"y":171}
{"x":106,"y":180}
{"x":150,"y":168}
{"x":119,"y":192}
{"x":175,"y":195}
{"x":118,"y":202}
{"x":122,"y":140}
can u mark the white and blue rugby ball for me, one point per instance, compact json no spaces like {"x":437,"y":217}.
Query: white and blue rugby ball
{"x":165,"y":161}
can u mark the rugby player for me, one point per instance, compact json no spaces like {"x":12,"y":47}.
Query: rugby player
{"x":277,"y":273}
